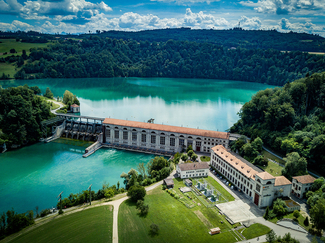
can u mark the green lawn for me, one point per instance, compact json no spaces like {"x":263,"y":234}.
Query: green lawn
{"x":205,"y":158}
{"x":255,"y":230}
{"x":272,"y":157}
{"x":7,"y":68}
{"x":176,"y":222}
{"x":290,"y":216}
{"x":91,"y":225}
{"x":8,"y":44}
{"x":273,"y":169}
{"x":222,"y":190}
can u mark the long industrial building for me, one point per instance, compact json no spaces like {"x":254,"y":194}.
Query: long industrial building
{"x":161,"y":137}
{"x":259,"y":186}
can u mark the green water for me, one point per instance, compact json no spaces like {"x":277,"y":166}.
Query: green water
{"x":35,"y":175}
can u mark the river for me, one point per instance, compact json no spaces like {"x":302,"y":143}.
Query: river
{"x":35,"y":175}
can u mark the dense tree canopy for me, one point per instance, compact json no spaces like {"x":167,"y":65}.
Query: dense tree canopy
{"x":99,"y":57}
{"x":289,"y":119}
{"x":21,"y":113}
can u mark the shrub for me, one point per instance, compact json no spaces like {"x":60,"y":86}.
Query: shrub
{"x":136,"y":193}
{"x":306,"y":221}
{"x":45,"y":212}
{"x":60,"y":211}
{"x":296,"y":214}
{"x":154,"y":229}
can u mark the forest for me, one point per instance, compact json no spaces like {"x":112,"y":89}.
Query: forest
{"x":21,"y":114}
{"x":105,"y":57}
{"x":236,"y":37}
{"x":289,"y":119}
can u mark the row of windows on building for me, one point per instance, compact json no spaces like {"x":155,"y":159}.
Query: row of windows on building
{"x":153,"y":138}
{"x":237,"y":178}
{"x":196,"y":175}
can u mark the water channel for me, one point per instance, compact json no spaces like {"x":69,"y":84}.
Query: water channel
{"x":35,"y":175}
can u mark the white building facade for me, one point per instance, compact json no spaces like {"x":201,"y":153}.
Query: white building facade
{"x":259,"y":186}
{"x":192,"y":170}
{"x":301,"y":184}
{"x":161,"y":137}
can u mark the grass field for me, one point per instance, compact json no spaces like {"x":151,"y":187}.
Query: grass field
{"x":205,"y":158}
{"x":273,"y":169}
{"x":176,"y":222}
{"x":222,"y":190}
{"x":91,"y":225}
{"x":255,"y":230}
{"x":7,"y":68}
{"x":290,"y":216}
{"x":8,"y":44}
{"x":272,"y":157}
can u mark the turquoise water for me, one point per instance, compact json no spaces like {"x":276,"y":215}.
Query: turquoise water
{"x":35,"y":175}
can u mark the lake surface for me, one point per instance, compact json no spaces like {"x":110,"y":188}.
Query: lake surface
{"x":35,"y":175}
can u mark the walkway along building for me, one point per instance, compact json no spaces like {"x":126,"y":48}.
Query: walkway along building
{"x":160,"y":137}
{"x":259,"y":186}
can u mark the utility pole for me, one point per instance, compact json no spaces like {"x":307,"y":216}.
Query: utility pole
{"x":89,"y":188}
{"x":60,"y":199}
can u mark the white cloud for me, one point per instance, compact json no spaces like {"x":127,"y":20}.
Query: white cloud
{"x":183,"y":2}
{"x":287,"y":6}
{"x":43,"y":9}
{"x":202,"y":20}
{"x":307,"y":27}
{"x":250,"y":23}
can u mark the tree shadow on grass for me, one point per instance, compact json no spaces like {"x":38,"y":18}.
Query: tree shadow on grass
{"x":152,"y":234}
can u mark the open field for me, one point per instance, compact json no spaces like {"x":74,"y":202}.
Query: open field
{"x":91,"y":225}
{"x":176,"y":222}
{"x":273,"y":169}
{"x":8,"y":44}
{"x":7,"y":68}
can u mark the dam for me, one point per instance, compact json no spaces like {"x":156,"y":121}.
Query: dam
{"x":145,"y":137}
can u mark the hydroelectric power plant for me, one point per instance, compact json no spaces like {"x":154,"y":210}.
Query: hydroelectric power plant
{"x":143,"y":137}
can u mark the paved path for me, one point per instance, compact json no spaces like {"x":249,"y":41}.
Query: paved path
{"x":58,"y":103}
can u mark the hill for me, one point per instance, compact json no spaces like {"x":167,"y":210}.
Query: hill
{"x":237,"y":37}
{"x":104,"y":57}
{"x":289,"y":119}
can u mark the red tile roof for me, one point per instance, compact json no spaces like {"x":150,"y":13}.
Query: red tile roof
{"x":265,"y":176}
{"x":74,"y":105}
{"x":236,"y":162}
{"x":305,"y":179}
{"x":167,"y":128}
{"x":281,"y":181}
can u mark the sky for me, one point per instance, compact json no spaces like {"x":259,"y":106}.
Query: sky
{"x":84,"y":16}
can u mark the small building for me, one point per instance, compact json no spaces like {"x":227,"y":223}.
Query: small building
{"x":75,"y":108}
{"x":169,"y":183}
{"x":215,"y":231}
{"x":292,"y":205}
{"x":301,"y":184}
{"x":191,"y":170}
{"x":188,"y":182}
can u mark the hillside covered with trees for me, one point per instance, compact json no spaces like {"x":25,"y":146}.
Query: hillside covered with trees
{"x":236,"y":37}
{"x":289,"y":119}
{"x":21,"y":114}
{"x":103,"y":57}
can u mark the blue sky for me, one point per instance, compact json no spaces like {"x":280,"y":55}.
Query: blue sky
{"x":80,"y":16}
